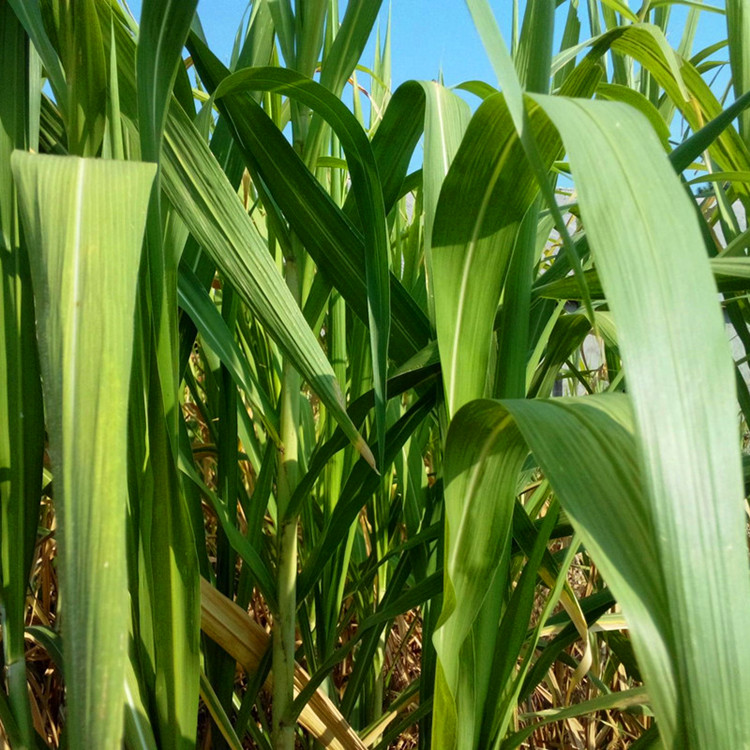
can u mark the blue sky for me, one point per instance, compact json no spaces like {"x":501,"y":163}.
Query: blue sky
{"x":434,"y":37}
{"x":429,"y":36}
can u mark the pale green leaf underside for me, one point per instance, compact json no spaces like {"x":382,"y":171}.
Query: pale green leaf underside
{"x":649,"y":253}
{"x":84,"y":220}
{"x":680,"y":490}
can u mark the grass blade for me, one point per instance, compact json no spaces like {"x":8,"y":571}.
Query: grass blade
{"x":212,"y":211}
{"x":330,"y":235}
{"x":216,"y":334}
{"x":484,"y":198}
{"x":738,"y":34}
{"x":370,"y":203}
{"x":686,"y":428}
{"x":21,"y":410}
{"x":81,"y":49}
{"x":446,"y":119}
{"x":164,"y":25}
{"x":508,"y":79}
{"x":78,"y":215}
{"x":483,"y":457}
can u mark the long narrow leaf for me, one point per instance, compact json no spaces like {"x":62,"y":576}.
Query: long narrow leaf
{"x":369,"y":194}
{"x":211,"y":209}
{"x":21,"y":410}
{"x":163,"y":27}
{"x":685,"y":425}
{"x":85,"y":220}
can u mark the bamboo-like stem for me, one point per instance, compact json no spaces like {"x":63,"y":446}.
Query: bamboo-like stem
{"x":285,"y":617}
{"x":294,"y":271}
{"x":283,"y":638}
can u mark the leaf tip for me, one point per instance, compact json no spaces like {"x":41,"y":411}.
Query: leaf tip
{"x":366,"y":453}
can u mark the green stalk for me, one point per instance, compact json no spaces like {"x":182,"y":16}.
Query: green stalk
{"x":533,"y":63}
{"x":333,"y":581}
{"x":21,"y":417}
{"x":336,"y":336}
{"x":285,"y":617}
{"x":229,"y":483}
{"x":309,"y":20}
{"x":166,"y":527}
{"x":380,"y":511}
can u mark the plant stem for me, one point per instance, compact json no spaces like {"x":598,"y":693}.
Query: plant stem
{"x":285,"y":618}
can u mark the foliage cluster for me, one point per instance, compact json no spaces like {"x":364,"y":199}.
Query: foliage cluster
{"x":251,"y":360}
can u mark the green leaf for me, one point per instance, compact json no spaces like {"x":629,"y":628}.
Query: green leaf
{"x":216,"y":334}
{"x":685,"y":416}
{"x":445,"y":121}
{"x":506,"y":75}
{"x":533,"y":56}
{"x":242,"y":546}
{"x":738,"y":34}
{"x":213,"y":704}
{"x":618,"y":93}
{"x":485,"y":449}
{"x":484,"y":198}
{"x":80,"y":214}
{"x":622,"y":539}
{"x":359,"y":487}
{"x":341,"y":59}
{"x":331,"y":235}
{"x":21,"y":409}
{"x":283,"y":19}
{"x":164,"y":25}
{"x":483,"y":457}
{"x":683,"y":84}
{"x":689,"y":150}
{"x":29,"y":13}
{"x":139,"y":734}
{"x":640,"y":225}
{"x":367,"y":190}
{"x":731,"y":274}
{"x":81,"y":48}
{"x":210,"y":208}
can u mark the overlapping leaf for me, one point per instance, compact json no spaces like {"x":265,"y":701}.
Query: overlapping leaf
{"x":685,"y":423}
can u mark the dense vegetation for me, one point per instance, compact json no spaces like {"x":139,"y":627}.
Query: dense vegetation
{"x":272,"y":396}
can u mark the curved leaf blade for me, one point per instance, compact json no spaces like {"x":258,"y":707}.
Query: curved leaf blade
{"x":685,"y":414}
{"x":370,"y":202}
{"x":198,"y":189}
{"x":484,"y":198}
